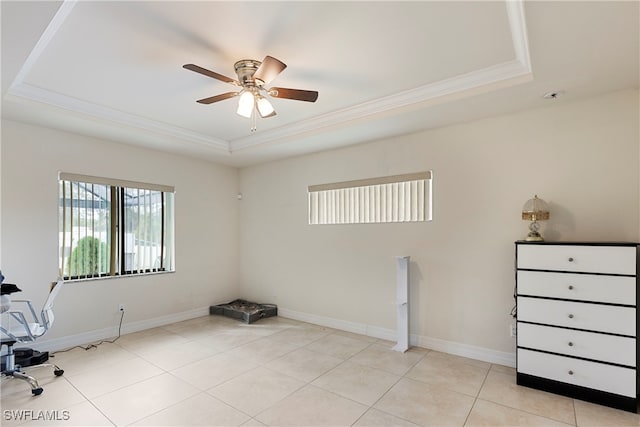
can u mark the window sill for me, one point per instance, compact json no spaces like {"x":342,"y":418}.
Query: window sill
{"x":118,"y":276}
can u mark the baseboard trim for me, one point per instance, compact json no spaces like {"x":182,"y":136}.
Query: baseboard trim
{"x":450,"y":347}
{"x":85,"y":338}
{"x":343,"y":325}
{"x":466,"y":350}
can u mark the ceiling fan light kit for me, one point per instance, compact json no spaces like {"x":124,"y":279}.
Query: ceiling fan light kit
{"x":252,"y":77}
{"x":264,"y":107}
{"x":245,"y":104}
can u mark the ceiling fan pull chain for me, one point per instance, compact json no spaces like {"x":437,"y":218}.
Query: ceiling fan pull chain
{"x":253,"y":120}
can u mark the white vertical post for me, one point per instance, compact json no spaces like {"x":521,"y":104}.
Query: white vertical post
{"x":402,"y":297}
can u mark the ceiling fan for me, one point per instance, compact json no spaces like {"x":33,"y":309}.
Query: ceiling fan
{"x":252,"y":77}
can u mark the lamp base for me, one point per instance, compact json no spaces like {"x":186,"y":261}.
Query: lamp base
{"x":534,"y":236}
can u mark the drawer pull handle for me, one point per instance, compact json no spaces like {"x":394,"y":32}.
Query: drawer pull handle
{"x":570,"y":259}
{"x":570,"y":344}
{"x":570,"y":287}
{"x":571,"y":316}
{"x":570,"y":372}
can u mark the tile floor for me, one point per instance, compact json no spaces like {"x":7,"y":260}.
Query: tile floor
{"x":214,"y":371}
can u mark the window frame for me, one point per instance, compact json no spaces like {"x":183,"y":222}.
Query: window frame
{"x":120,"y":216}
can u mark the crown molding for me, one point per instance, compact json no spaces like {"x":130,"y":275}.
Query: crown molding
{"x":511,"y":72}
{"x":507,"y":73}
{"x":34,"y":93}
{"x":519,"y":37}
{"x":56,"y":23}
{"x":499,"y":75}
{"x":23,"y":90}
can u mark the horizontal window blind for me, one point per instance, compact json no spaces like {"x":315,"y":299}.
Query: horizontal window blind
{"x":398,"y":198}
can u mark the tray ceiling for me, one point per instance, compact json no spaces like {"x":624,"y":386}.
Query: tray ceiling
{"x":114,"y":69}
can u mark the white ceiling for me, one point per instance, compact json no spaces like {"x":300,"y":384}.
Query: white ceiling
{"x":113,"y":69}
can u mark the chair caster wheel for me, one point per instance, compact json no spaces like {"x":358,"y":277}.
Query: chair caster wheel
{"x":58,"y":372}
{"x":37,"y":391}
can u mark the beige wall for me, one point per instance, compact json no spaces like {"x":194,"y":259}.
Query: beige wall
{"x":207,"y":227}
{"x":581,"y":157}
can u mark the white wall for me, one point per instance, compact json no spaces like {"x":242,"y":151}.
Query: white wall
{"x":581,"y":157}
{"x":207,"y":230}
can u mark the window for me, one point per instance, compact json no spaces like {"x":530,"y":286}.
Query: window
{"x":110,"y":227}
{"x":399,"y":198}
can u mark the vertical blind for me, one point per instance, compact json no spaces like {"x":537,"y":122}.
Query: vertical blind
{"x":112,"y":227}
{"x":398,"y":198}
{"x":85,"y":230}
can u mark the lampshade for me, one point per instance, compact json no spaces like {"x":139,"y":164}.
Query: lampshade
{"x":264,"y":107}
{"x":535,"y":210}
{"x":246,"y":104}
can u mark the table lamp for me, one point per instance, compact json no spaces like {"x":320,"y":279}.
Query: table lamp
{"x":535,"y":210}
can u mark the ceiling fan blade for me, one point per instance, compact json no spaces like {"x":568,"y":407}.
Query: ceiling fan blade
{"x":297,"y":94}
{"x":210,"y":73}
{"x":217,"y":98}
{"x":269,"y":69}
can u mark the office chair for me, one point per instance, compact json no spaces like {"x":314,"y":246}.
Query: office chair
{"x":26,"y":332}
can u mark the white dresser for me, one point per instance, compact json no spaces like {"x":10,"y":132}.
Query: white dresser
{"x":577,"y":320}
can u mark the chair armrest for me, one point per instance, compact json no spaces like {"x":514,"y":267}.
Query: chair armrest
{"x":19,"y":317}
{"x":29,"y":304}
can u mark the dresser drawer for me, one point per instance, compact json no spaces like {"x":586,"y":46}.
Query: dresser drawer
{"x":579,"y":315}
{"x":589,"y":345}
{"x":582,"y":287}
{"x":587,"y":259}
{"x":612,"y":379}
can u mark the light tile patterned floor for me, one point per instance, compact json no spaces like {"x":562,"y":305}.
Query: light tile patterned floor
{"x":214,"y":371}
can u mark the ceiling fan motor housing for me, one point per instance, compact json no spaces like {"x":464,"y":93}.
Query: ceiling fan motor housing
{"x":245,"y":69}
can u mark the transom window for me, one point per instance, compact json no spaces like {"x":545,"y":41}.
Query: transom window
{"x":110,"y":227}
{"x":398,"y":198}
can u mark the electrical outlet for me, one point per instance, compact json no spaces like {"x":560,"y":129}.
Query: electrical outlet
{"x":120,"y":307}
{"x":513,"y":330}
